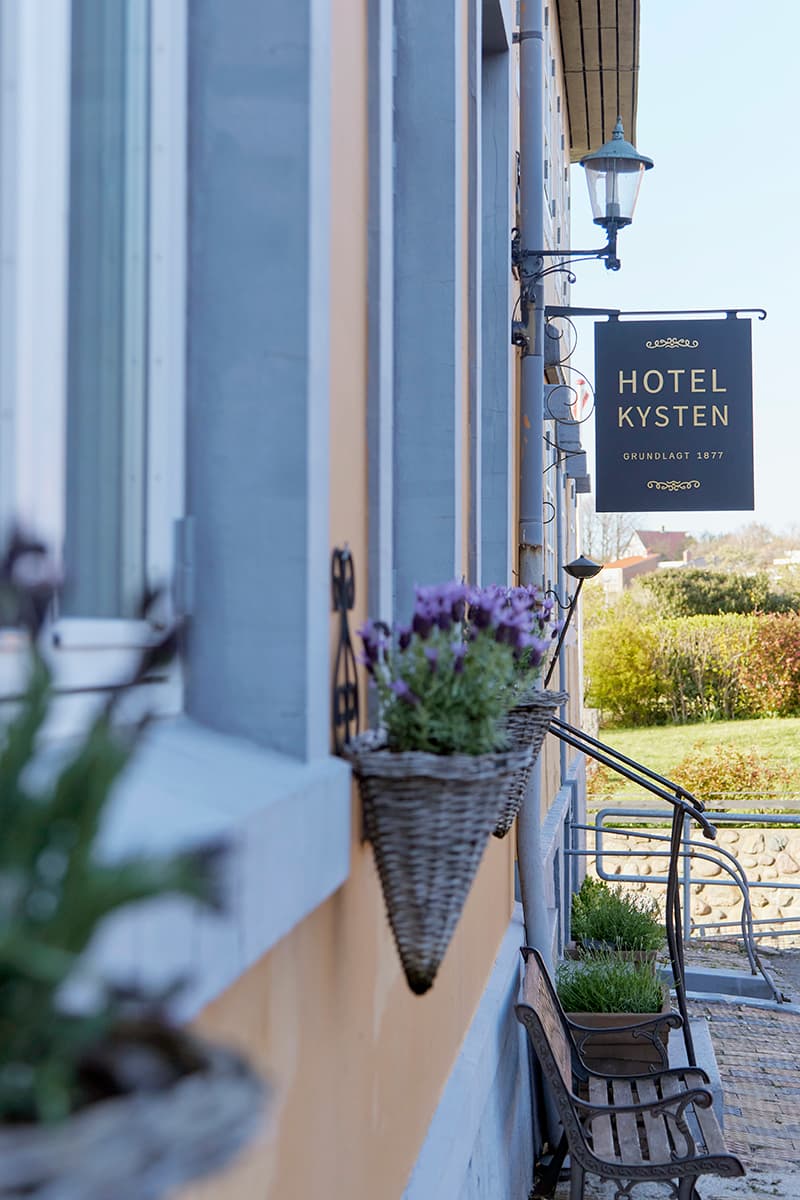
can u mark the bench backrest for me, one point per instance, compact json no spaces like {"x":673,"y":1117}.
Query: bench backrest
{"x":542,"y":1015}
{"x":539,"y":996}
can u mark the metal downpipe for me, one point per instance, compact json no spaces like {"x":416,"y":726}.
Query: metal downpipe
{"x":531,"y":494}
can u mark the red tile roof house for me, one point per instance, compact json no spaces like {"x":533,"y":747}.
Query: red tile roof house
{"x":645,"y":552}
{"x":666,"y":543}
{"x":618,"y":575}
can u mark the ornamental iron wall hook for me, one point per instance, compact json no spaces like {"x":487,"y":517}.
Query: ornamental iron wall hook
{"x":345,"y":717}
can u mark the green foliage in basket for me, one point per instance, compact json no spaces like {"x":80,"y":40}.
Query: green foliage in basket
{"x":446,"y":681}
{"x":55,"y":889}
{"x":620,"y":919}
{"x":606,"y":983}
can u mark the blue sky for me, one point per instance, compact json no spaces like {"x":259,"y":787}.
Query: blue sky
{"x":718,"y":218}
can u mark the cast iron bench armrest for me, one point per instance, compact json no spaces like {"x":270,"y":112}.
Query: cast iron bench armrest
{"x":654,"y":1076}
{"x":681,"y":1100}
{"x":646,"y":1032}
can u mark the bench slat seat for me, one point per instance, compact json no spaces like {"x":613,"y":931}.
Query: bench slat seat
{"x":659,"y":1126}
{"x":635,"y":1138}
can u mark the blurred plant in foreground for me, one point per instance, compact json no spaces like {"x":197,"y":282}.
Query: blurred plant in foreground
{"x":56,"y":891}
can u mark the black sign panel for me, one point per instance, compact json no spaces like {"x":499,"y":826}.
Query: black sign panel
{"x":674,"y":415}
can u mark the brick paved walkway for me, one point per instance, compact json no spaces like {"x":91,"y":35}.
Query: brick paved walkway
{"x":758,"y":1053}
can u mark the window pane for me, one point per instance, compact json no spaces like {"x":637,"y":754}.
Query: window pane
{"x":107,"y":308}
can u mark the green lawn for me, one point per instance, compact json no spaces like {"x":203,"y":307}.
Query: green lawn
{"x":662,"y":747}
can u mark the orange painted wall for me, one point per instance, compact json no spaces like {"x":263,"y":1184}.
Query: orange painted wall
{"x":358,"y":1063}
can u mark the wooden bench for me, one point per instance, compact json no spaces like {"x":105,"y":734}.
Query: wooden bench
{"x":631,"y":1129}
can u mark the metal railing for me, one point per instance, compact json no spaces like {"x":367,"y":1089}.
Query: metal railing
{"x":685,"y":809}
{"x":758,"y":927}
{"x":683,"y":804}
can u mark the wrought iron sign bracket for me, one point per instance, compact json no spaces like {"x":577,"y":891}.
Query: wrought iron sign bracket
{"x":345,"y":716}
{"x":730,"y":313}
{"x":568,"y":310}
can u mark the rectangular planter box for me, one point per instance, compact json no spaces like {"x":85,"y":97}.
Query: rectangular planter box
{"x":575,"y":950}
{"x":620,"y":1053}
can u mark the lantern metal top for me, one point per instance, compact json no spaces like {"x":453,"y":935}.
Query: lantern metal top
{"x":617,"y":148}
{"x":583,"y":568}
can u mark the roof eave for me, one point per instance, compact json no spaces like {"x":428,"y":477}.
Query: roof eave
{"x":600,"y":55}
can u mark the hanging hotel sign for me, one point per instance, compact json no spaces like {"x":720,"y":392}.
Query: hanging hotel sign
{"x":674,"y":415}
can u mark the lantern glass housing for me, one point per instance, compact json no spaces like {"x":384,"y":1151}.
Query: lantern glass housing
{"x":614,"y":175}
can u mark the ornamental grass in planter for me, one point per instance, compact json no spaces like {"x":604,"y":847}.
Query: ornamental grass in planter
{"x":99,"y":1098}
{"x":433,"y":779}
{"x":611,"y":995}
{"x":611,"y":918}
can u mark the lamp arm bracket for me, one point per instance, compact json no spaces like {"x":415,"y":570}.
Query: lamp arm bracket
{"x":519,"y":254}
{"x":600,"y":253}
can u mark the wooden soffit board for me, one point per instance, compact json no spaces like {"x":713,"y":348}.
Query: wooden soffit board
{"x":600,"y":54}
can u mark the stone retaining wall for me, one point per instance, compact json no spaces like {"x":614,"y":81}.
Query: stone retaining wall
{"x":768,"y":856}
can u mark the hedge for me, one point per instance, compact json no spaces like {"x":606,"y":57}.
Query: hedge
{"x":694,"y":668}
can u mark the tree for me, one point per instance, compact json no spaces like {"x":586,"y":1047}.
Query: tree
{"x":750,"y":548}
{"x":605,"y":535}
{"x":694,"y":591}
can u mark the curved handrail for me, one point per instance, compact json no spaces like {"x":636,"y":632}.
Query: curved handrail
{"x":677,"y":796}
{"x":630,"y":762}
{"x":683,"y":804}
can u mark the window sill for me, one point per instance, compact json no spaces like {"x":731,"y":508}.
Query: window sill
{"x":288,"y":827}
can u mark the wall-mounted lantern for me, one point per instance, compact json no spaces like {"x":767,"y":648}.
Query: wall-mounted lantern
{"x":614,"y":175}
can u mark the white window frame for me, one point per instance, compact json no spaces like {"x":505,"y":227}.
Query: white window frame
{"x":35,"y":54}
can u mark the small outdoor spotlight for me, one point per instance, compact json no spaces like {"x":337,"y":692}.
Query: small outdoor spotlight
{"x":581,"y":569}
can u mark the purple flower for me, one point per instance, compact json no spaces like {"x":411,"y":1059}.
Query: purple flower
{"x":404,"y":636}
{"x":372,"y":636}
{"x":486,"y":606}
{"x":459,"y":602}
{"x":403,"y":691}
{"x":452,"y":600}
{"x":521,"y":599}
{"x":534,"y":649}
{"x":426,"y":611}
{"x":422,"y":623}
{"x":432,"y":655}
{"x":459,"y":654}
{"x":513,"y":628}
{"x":365,"y":661}
{"x":440,"y":605}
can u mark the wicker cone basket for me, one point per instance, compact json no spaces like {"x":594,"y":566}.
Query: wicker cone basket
{"x":138,"y":1147}
{"x":429,"y":818}
{"x":527,"y":723}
